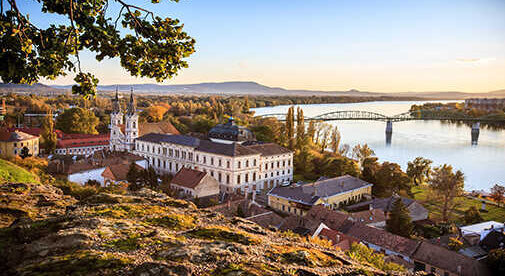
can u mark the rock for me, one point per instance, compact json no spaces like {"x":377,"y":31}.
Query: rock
{"x":158,"y":269}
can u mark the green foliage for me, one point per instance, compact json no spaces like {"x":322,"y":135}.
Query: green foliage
{"x":399,"y":221}
{"x":361,"y":253}
{"x":419,"y":170}
{"x":133,"y":177}
{"x":78,"y":191}
{"x":152,"y":46}
{"x":48,"y":135}
{"x":447,"y":186}
{"x":150,"y":178}
{"x":10,"y":173}
{"x":77,"y":120}
{"x":498,"y":194}
{"x":388,"y":179}
{"x":455,"y":244}
{"x":472,"y":216}
{"x":174,"y":221}
{"x":25,"y":152}
{"x":496,"y":261}
{"x":361,"y":153}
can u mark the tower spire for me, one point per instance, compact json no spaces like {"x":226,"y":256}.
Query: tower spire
{"x":116,"y":107}
{"x":131,"y":109}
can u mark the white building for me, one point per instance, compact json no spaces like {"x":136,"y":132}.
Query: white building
{"x":123,"y":135}
{"x":231,"y":155}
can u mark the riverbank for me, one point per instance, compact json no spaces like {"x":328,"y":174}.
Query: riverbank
{"x":492,"y":212}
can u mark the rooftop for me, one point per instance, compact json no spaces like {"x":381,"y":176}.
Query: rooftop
{"x":478,"y":228}
{"x":118,"y":172}
{"x":15,"y":136}
{"x":231,"y":132}
{"x":308,"y":194}
{"x":188,"y":178}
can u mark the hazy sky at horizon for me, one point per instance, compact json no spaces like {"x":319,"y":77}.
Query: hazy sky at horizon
{"x":332,"y":45}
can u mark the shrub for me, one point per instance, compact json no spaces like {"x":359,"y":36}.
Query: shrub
{"x":362,"y":253}
{"x":455,"y":244}
{"x":223,"y":234}
{"x":174,"y":221}
{"x":78,"y":191}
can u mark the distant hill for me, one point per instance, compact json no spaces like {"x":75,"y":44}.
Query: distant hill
{"x":38,"y":88}
{"x":244,"y":88}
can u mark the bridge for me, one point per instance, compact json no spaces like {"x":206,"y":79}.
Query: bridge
{"x":360,"y":115}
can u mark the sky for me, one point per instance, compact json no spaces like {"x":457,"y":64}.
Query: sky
{"x":334,"y":45}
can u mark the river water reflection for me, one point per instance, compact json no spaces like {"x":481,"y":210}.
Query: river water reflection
{"x":483,"y":165}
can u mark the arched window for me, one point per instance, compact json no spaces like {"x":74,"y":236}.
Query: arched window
{"x":134,"y":125}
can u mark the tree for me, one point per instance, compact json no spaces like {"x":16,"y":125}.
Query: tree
{"x":77,"y":120}
{"x":311,"y":130}
{"x":399,"y":221}
{"x":390,"y":178}
{"x":360,"y":153}
{"x":369,"y":169}
{"x":300,"y":129}
{"x":447,"y":186}
{"x":496,"y":261}
{"x":150,"y":178}
{"x":133,"y":177}
{"x":147,"y":45}
{"x":48,"y":135}
{"x":25,"y":152}
{"x":472,"y":216}
{"x":419,"y":170}
{"x":290,"y":125}
{"x":498,"y":194}
{"x":335,"y":140}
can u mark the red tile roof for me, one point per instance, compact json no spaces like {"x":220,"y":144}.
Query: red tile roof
{"x":188,"y":178}
{"x":338,"y":239}
{"x":83,"y":140}
{"x":118,"y":172}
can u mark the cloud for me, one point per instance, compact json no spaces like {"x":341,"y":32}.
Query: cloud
{"x":474,"y":60}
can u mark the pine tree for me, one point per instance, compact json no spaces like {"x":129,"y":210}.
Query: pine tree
{"x":290,"y":128}
{"x":132,"y":177}
{"x":399,"y":221}
{"x":48,"y":135}
{"x":300,"y":129}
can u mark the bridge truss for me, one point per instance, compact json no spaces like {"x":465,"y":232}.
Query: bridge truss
{"x":360,"y":115}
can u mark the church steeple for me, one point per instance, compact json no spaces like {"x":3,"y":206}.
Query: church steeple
{"x":116,"y":107}
{"x":131,"y":109}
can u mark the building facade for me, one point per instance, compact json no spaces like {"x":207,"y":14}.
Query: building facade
{"x":230,"y":155}
{"x":333,"y":192}
{"x":82,"y":144}
{"x":124,"y":128}
{"x":12,"y":143}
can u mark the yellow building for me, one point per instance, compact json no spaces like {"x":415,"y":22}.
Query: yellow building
{"x":13,"y":142}
{"x":334,"y":193}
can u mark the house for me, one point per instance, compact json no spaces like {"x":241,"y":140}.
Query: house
{"x":383,"y":241}
{"x":81,"y":144}
{"x":12,"y":143}
{"x":338,"y":239}
{"x":431,"y":258}
{"x":334,"y":192}
{"x":416,"y":210}
{"x":481,"y":229}
{"x":194,"y":183}
{"x":117,"y":173}
{"x":80,"y":169}
{"x":373,"y":217}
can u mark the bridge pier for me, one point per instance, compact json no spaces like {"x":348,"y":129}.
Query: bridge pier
{"x":389,"y":132}
{"x":475,"y":133}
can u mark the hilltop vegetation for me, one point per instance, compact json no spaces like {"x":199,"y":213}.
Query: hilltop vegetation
{"x":147,"y":233}
{"x":10,"y":172}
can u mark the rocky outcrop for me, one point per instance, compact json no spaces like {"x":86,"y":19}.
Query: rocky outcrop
{"x":150,"y":234}
{"x":31,"y":202}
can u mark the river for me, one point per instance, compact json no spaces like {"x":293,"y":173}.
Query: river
{"x":482,"y":164}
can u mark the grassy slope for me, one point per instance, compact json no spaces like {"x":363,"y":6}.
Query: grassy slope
{"x":13,"y":173}
{"x":493,"y":212}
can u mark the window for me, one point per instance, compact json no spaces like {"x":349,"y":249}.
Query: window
{"x":227,"y":179}
{"x":238,"y":164}
{"x":254,"y":176}
{"x":278,"y":164}
{"x":219,"y":178}
{"x":254,"y":162}
{"x":289,"y":162}
{"x":246,"y":163}
{"x":15,"y":145}
{"x":205,"y":159}
{"x":433,"y":269}
{"x":238,"y":179}
{"x":219,"y":162}
{"x":247,"y":178}
{"x":197,"y":158}
{"x":228,"y":164}
{"x":170,"y":152}
{"x":212,"y":161}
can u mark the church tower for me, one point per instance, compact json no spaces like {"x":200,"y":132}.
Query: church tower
{"x":132,"y":124}
{"x":116,"y":121}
